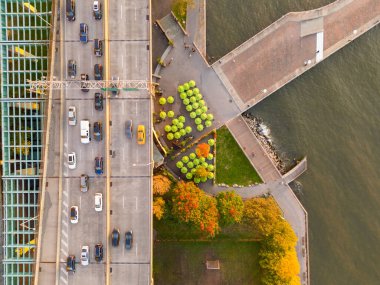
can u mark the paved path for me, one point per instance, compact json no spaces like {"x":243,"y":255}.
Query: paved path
{"x":291,"y":46}
{"x":253,"y":150}
{"x":296,"y":171}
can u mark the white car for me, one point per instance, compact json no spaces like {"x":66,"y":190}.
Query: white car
{"x":72,"y":160}
{"x":98,"y":202}
{"x":84,"y":131}
{"x":74,"y":214}
{"x":72,"y":116}
{"x":85,"y":255}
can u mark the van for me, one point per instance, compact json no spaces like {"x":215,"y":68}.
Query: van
{"x":98,"y":47}
{"x":85,"y":131}
{"x":70,"y":10}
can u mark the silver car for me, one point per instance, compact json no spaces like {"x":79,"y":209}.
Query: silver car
{"x":84,"y":183}
{"x":72,"y":160}
{"x":85,"y":255}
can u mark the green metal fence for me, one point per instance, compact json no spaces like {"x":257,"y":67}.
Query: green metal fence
{"x":24,"y":47}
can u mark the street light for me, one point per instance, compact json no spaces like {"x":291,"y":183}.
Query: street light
{"x":33,"y":10}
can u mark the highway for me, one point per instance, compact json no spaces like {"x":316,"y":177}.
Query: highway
{"x":126,"y":181}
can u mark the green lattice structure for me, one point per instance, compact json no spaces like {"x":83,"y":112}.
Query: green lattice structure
{"x":24,"y":49}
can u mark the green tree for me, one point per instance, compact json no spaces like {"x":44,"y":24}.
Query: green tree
{"x":230,"y":207}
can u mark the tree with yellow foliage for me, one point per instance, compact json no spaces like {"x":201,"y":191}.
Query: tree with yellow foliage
{"x":161,"y":184}
{"x":158,"y":207}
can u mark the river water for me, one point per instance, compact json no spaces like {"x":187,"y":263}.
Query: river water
{"x":331,"y":114}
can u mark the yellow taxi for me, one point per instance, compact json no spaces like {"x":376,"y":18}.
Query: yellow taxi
{"x":141,"y":134}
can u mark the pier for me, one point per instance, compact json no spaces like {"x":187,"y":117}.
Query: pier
{"x":256,"y":69}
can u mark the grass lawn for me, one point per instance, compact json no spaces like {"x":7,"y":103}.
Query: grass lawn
{"x":185,"y":262}
{"x":232,"y":166}
{"x":179,"y":8}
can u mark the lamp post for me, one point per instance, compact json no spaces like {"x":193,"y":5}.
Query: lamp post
{"x":142,"y":164}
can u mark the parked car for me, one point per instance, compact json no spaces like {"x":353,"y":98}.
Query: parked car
{"x":85,"y":255}
{"x":128,"y":129}
{"x":74,"y":214}
{"x":72,"y":116}
{"x":83,"y":32}
{"x":99,"y":252}
{"x":72,"y":68}
{"x":115,"y":90}
{"x":70,"y":263}
{"x":98,"y":202}
{"x":98,"y":71}
{"x":84,"y":183}
{"x":85,"y":131}
{"x":83,"y":85}
{"x":99,"y":101}
{"x":97,"y":10}
{"x":99,"y":165}
{"x":70,"y":10}
{"x":128,"y":239}
{"x":115,"y":237}
{"x":98,"y":47}
{"x":141,"y":134}
{"x":98,"y":131}
{"x":72,"y":160}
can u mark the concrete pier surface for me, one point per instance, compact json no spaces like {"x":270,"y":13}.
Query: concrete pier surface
{"x":292,"y":45}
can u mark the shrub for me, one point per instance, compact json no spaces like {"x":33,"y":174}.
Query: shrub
{"x":188,"y":129}
{"x":192,"y":83}
{"x":189,"y":108}
{"x":177,"y":135}
{"x":195,"y":105}
{"x":204,"y":179}
{"x":170,"y":99}
{"x":198,"y":121}
{"x":196,"y":161}
{"x":186,"y":86}
{"x":185,"y":159}
{"x":170,"y":114}
{"x":182,"y":119}
{"x":189,"y":93}
{"x":180,"y":125}
{"x":190,"y":164}
{"x":168,"y":128}
{"x":211,"y":142}
{"x":179,"y":164}
{"x":170,"y":136}
{"x":193,"y":114}
{"x":196,"y":91}
{"x":202,"y":102}
{"x":180,"y":89}
{"x":162,"y":101}
{"x":202,"y":159}
{"x":200,"y":127}
{"x":208,"y":123}
{"x":210,"y":156}
{"x":204,"y":164}
{"x":203,"y":116}
{"x":193,"y":99}
{"x":210,"y":167}
{"x":210,"y":117}
{"x":198,"y":112}
{"x":183,"y":95}
{"x":197,"y":180}
{"x":189,"y":175}
{"x":174,"y":128}
{"x":175,"y":122}
{"x":192,"y":156}
{"x":186,"y":102}
{"x":162,"y":115}
{"x":199,"y":96}
{"x":204,"y":109}
{"x":182,"y":132}
{"x":183,"y":170}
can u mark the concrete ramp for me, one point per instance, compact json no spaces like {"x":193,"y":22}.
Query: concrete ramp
{"x":296,"y":171}
{"x":310,"y":27}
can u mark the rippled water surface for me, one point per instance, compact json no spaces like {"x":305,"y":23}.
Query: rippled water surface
{"x":331,"y":114}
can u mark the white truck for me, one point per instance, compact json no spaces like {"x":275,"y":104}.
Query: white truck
{"x":85,"y":131}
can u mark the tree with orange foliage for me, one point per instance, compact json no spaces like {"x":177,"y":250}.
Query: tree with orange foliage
{"x":192,"y":205}
{"x":161,"y":184}
{"x":202,"y":150}
{"x":158,"y":207}
{"x":230,"y":207}
{"x":201,"y":172}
